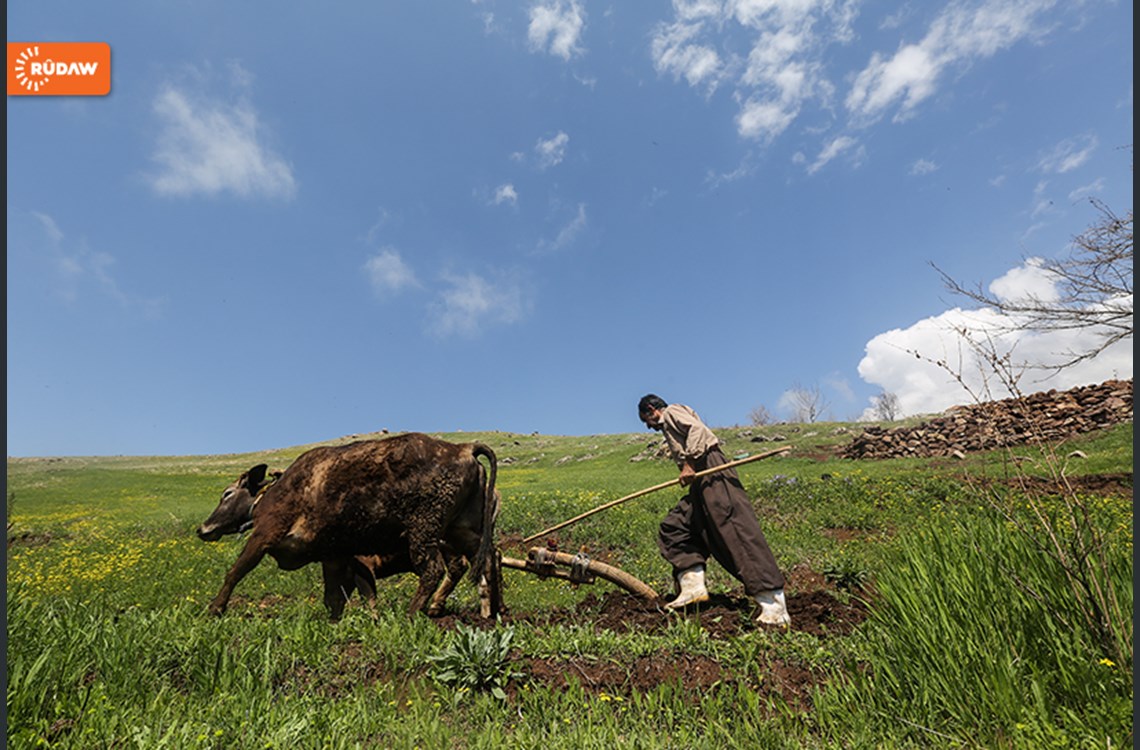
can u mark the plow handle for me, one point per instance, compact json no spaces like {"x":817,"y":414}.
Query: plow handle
{"x":654,"y":488}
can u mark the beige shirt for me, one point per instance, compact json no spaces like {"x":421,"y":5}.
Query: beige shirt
{"x":687,"y":436}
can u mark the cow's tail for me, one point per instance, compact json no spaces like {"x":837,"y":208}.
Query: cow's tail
{"x":490,"y":513}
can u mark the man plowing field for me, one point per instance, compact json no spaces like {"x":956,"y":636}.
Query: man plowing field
{"x":715,"y":518}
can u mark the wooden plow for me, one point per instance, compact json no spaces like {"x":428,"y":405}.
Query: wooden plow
{"x":578,"y":568}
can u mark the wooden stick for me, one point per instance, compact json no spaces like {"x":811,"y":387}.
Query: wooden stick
{"x":654,"y":488}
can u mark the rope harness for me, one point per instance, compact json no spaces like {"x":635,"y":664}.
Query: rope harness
{"x":265,"y":485}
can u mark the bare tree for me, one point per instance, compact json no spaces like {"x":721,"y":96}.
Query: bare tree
{"x":887,"y":408}
{"x":1094,"y":284}
{"x":808,"y":403}
{"x":760,"y":416}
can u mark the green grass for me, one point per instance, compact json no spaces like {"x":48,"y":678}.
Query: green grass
{"x":109,"y":643}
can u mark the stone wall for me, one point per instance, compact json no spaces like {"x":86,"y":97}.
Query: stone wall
{"x":1046,"y":416}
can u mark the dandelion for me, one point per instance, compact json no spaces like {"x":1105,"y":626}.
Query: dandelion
{"x":1107,"y":662}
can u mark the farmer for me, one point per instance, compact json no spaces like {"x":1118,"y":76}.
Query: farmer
{"x":715,"y":518}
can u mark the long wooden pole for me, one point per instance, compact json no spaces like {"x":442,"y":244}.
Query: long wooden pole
{"x":656,"y":487}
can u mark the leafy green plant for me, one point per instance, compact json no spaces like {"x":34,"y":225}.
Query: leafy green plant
{"x":477,"y":660}
{"x":845,"y":574}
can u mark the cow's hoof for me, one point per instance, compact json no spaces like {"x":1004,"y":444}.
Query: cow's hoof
{"x":434,"y":611}
{"x":217,"y":610}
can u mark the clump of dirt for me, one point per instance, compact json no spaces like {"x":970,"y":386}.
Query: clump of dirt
{"x":30,"y":539}
{"x":694,"y":672}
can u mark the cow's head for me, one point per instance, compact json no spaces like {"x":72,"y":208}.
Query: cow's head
{"x":234,"y":513}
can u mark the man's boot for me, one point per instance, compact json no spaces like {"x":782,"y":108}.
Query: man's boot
{"x":693,"y":589}
{"x":773,"y":608}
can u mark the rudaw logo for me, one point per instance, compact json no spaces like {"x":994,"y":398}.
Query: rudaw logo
{"x":59,"y":69}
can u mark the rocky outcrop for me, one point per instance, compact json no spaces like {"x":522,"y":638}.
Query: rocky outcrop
{"x":1040,"y":417}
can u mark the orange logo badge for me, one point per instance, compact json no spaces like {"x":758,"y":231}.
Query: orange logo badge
{"x":59,"y":68}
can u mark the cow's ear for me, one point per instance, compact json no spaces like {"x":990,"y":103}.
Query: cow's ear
{"x":256,"y":475}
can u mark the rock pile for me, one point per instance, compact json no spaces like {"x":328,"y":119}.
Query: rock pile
{"x":1045,"y":416}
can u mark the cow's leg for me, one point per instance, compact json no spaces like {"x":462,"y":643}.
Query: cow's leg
{"x":491,"y":587}
{"x":456,"y":565}
{"x":250,"y":556}
{"x":364,"y":580}
{"x":429,"y":566}
{"x":340,"y":579}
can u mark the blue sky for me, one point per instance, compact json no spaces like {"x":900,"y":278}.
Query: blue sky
{"x":292,"y":222}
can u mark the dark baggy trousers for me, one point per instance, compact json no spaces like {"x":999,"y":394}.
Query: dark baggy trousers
{"x":716,"y":518}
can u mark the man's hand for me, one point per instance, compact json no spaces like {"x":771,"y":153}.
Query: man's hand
{"x":688,"y":474}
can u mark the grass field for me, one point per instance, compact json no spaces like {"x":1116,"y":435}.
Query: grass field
{"x":980,"y":610}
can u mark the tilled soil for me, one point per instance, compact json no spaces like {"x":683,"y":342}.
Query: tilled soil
{"x":814,"y":605}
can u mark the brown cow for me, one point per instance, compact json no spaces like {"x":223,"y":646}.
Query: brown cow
{"x":422,"y":504}
{"x":234,"y":515}
{"x":343,"y":576}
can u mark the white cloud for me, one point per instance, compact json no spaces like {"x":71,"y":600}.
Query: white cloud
{"x":903,"y":361}
{"x":834,"y":149}
{"x":207,"y":146}
{"x":782,"y":68}
{"x":54,"y":233}
{"x":388,"y":273}
{"x":763,"y":120}
{"x":673,"y":54}
{"x":79,"y":269}
{"x":840,"y":386}
{"x":1041,"y":202}
{"x":556,"y":27}
{"x":778,"y":57}
{"x":506,"y":194}
{"x":1068,"y":155}
{"x":958,"y":36}
{"x":567,"y":234}
{"x":696,"y":10}
{"x":742,"y":170}
{"x":909,"y":75}
{"x":551,"y":152}
{"x":1084,"y":191}
{"x":923,"y":166}
{"x":472,"y":303}
{"x":383,"y":218}
{"x":1029,"y":281}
